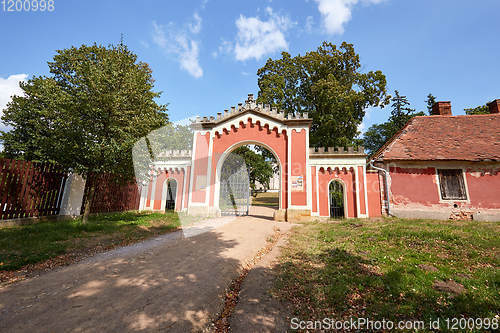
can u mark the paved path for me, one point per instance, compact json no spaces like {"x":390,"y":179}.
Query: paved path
{"x":168,"y":283}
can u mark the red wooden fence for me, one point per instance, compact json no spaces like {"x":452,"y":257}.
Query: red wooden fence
{"x":110,"y":196}
{"x":30,"y":189}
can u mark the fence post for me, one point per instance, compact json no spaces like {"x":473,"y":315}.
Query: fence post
{"x":71,"y":203}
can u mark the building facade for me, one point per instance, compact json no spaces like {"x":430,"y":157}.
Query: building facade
{"x":439,"y":166}
{"x":443,"y":166}
{"x":304,"y":174}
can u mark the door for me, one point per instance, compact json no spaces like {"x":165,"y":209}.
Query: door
{"x":336,"y":193}
{"x":171,"y":194}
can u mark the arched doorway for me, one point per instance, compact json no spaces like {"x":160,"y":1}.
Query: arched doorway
{"x":234,"y":197}
{"x":336,"y":199}
{"x":171,"y":194}
{"x":243,"y":187}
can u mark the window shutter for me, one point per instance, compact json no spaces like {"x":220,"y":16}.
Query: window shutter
{"x":452,"y":185}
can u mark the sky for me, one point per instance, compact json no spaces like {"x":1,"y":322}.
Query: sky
{"x":205,"y":53}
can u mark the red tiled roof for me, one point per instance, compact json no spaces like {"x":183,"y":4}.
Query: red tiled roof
{"x":463,"y":138}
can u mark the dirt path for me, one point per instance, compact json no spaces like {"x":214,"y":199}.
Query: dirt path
{"x":168,"y":283}
{"x":257,"y":310}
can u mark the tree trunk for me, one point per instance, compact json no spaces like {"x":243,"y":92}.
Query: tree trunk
{"x":88,"y":204}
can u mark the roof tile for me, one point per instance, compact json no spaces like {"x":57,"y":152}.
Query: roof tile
{"x":465,"y":138}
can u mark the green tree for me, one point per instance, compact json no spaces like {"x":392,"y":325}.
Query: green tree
{"x":87,"y":114}
{"x":259,"y":169}
{"x":482,"y":109}
{"x":430,"y":101}
{"x":326,"y":83}
{"x":269,"y":157}
{"x":401,"y":113}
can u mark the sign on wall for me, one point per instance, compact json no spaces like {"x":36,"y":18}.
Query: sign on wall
{"x":297,"y":183}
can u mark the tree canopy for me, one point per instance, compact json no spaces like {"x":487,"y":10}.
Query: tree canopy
{"x":401,"y":113}
{"x":329,"y":85}
{"x":87,"y":114}
{"x":259,"y":169}
{"x":430,"y":101}
{"x":482,"y":109}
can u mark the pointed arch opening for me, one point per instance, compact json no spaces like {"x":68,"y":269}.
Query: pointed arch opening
{"x":169,"y":194}
{"x":259,"y":193}
{"x":337,"y":200}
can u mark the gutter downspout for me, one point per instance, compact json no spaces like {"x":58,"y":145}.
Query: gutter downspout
{"x":386,"y":187}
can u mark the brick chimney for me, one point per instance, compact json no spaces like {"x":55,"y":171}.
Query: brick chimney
{"x":441,"y":109}
{"x":494,"y":106}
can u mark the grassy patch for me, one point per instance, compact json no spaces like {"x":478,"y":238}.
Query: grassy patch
{"x":387,"y":269}
{"x":266,"y":199}
{"x":31,"y":244}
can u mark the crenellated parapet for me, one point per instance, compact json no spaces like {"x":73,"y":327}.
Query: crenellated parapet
{"x":338,"y":151}
{"x":251,"y":106}
{"x":175,"y":154}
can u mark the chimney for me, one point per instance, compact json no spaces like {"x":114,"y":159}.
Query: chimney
{"x":441,"y":109}
{"x":494,"y":106}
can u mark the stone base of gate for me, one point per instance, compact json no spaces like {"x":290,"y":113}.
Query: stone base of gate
{"x":280,"y":215}
{"x":298,"y":215}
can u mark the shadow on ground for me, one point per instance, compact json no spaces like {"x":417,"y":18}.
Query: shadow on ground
{"x":174,"y":286}
{"x":337,"y":284}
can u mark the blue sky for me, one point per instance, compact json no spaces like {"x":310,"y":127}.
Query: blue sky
{"x":205,"y":53}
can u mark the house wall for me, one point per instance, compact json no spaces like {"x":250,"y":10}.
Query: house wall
{"x":414,"y":191}
{"x":373,"y":193}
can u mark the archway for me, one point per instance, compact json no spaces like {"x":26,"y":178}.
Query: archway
{"x":248,"y":194}
{"x":169,"y":194}
{"x":336,"y":199}
{"x":304,"y":173}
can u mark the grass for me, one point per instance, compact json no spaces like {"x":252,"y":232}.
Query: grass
{"x":32,"y":244}
{"x":266,"y":199}
{"x":373,"y":269}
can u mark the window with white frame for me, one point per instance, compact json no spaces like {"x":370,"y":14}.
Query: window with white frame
{"x":452,"y":184}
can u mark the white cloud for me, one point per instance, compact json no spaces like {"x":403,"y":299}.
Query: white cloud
{"x":336,"y":13}
{"x":185,"y":121}
{"x":224,"y":47}
{"x":309,"y":23}
{"x":363,"y":126}
{"x":8,"y":88}
{"x":181,"y":43}
{"x":196,"y":26}
{"x":256,"y":38}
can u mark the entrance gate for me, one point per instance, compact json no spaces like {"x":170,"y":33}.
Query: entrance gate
{"x":234,"y":187}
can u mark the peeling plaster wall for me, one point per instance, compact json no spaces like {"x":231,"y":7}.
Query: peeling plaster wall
{"x":415,"y":193}
{"x":373,"y":192}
